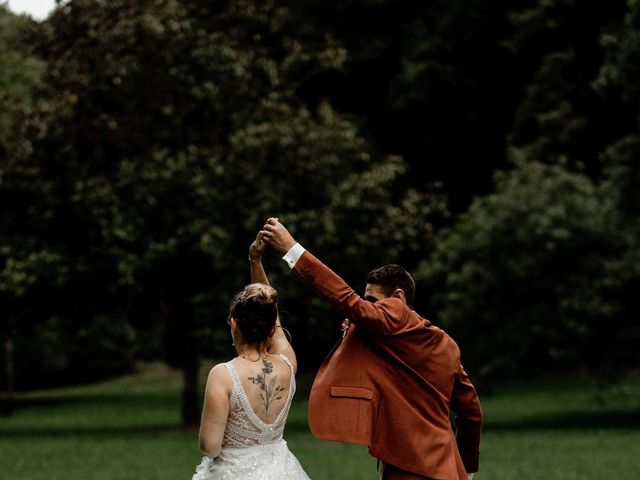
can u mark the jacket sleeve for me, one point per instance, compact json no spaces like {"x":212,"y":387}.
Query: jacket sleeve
{"x":380,"y":318}
{"x":466,"y":406}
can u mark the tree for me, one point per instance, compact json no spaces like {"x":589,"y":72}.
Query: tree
{"x":561,"y":119}
{"x":430,"y":81}
{"x":539,"y":274}
{"x":617,"y":83}
{"x":20,"y":73}
{"x":618,"y":336}
{"x":519,"y":280}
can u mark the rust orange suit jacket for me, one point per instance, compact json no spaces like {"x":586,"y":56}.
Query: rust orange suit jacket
{"x":391,"y":384}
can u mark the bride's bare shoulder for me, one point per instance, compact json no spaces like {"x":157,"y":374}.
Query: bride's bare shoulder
{"x":219,"y":378}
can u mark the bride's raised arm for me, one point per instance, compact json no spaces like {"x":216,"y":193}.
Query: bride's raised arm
{"x":278,"y":343}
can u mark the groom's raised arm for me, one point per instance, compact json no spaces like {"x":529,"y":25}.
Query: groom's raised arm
{"x":378,"y":318}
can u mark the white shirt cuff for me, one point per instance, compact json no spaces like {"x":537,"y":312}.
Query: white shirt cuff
{"x":293,"y":255}
{"x":470,"y":476}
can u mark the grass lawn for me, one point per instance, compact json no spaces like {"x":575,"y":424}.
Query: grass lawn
{"x":128,"y":428}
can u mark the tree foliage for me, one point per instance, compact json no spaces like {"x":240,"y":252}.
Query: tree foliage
{"x":518,"y":281}
{"x":561,"y":119}
{"x":621,"y":165}
{"x":174,"y":130}
{"x":144,"y":143}
{"x":430,"y":81}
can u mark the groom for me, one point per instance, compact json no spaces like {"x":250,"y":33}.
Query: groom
{"x":391,"y":382}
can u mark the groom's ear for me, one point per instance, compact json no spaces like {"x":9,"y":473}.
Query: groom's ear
{"x":399,"y":293}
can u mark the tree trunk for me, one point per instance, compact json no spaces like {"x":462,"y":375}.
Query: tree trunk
{"x":182,"y":352}
{"x":190,"y":393}
{"x":9,"y":391}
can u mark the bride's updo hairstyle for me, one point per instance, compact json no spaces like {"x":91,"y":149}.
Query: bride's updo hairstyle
{"x":255,"y":309}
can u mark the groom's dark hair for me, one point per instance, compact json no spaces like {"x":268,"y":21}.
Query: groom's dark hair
{"x":390,"y":277}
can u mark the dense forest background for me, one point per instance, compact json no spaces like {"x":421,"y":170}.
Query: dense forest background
{"x":491,"y":147}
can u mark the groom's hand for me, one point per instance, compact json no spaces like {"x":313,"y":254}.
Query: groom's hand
{"x":276,"y":235}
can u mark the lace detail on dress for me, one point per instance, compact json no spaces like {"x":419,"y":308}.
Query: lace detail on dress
{"x":244,"y":427}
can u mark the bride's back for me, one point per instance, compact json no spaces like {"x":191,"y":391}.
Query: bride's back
{"x":266,"y":384}
{"x":263,"y":382}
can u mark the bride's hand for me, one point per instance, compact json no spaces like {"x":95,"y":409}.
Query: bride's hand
{"x":258,"y":247}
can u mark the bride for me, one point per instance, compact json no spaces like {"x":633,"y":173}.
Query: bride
{"x":247,"y":399}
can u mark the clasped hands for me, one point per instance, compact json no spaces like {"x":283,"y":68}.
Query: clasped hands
{"x":273,"y":234}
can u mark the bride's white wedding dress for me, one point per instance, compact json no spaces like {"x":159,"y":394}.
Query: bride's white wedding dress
{"x":251,"y":448}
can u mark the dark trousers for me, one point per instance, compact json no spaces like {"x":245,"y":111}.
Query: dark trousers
{"x":389,"y":472}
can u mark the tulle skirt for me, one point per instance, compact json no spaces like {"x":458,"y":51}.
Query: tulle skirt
{"x":273,"y":461}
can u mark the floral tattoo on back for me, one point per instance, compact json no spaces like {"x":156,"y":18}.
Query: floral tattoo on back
{"x":270,"y":391}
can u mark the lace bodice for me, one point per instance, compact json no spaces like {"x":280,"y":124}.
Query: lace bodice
{"x":244,"y":427}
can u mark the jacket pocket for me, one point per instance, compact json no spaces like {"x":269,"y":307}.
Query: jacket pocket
{"x":352,"y":392}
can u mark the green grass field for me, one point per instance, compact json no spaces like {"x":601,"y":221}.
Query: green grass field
{"x":128,"y":428}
